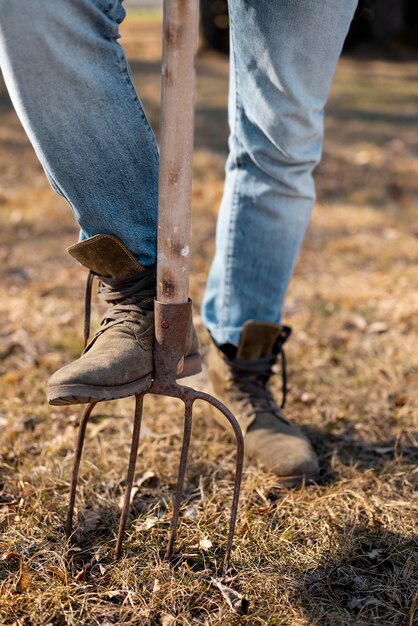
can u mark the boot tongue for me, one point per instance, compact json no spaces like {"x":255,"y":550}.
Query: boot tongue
{"x":257,"y":340}
{"x":107,"y":256}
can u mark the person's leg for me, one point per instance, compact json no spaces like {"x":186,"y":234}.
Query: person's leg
{"x":70,"y":84}
{"x":283,"y":57}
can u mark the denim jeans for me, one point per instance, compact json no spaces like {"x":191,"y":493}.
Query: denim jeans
{"x":71,"y":86}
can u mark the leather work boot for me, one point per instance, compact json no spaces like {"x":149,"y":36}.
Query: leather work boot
{"x":118,"y":361}
{"x":239,"y":378}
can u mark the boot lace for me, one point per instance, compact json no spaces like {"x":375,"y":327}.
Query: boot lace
{"x":126,"y":296}
{"x":251,"y":377}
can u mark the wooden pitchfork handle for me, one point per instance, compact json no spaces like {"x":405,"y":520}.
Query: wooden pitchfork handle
{"x":178,"y":78}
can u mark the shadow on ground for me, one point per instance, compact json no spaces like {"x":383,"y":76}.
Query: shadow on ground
{"x":369,"y":579}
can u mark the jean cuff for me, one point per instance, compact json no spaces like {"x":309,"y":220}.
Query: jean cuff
{"x":222,"y":335}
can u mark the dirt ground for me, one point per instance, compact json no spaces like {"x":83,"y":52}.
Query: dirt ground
{"x":342,"y":552}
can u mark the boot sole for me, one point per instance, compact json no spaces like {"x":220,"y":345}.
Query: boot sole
{"x":295,"y":481}
{"x":60,"y":395}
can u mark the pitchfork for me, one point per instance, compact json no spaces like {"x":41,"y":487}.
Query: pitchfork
{"x":173,"y":308}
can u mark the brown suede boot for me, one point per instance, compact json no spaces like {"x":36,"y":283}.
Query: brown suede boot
{"x":239,"y":377}
{"x":118,"y":361}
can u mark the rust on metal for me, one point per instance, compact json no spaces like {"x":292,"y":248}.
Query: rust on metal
{"x":169,"y":349}
{"x":171,"y":327}
{"x":139,"y":400}
{"x":77,"y":458}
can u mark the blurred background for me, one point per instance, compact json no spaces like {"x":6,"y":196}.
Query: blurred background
{"x":340,"y":552}
{"x":381,"y":22}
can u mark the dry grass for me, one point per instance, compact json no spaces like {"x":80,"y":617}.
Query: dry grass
{"x":342,"y":552}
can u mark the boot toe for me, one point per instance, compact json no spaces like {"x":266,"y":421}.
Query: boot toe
{"x":302,"y":462}
{"x":104,"y":374}
{"x":291,"y":458}
{"x":111,"y":369}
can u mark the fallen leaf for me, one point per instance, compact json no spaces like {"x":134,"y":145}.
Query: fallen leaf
{"x":361,"y":603}
{"x":11,"y":377}
{"x":10,"y":556}
{"x":115,"y":594}
{"x":191,"y":512}
{"x":360,"y":583}
{"x":12,"y":347}
{"x":381,"y":449}
{"x":28,"y":491}
{"x":156,"y":586}
{"x":401,"y":400}
{"x":235,"y":600}
{"x":396,"y":598}
{"x":7,"y":498}
{"x":133,"y":493}
{"x":100,"y":553}
{"x":263,"y":510}
{"x":98,"y":428}
{"x":24,"y":578}
{"x":307,"y":398}
{"x":167,"y":619}
{"x":243,"y":532}
{"x":362,"y":157}
{"x":91,"y":519}
{"x":148,"y":475}
{"x":205,"y":543}
{"x":29,"y":423}
{"x":149,"y":522}
{"x":355,"y":322}
{"x":378,"y":328}
{"x":408,"y":569}
{"x":57,"y":571}
{"x":211,"y":520}
{"x":391,"y":234}
{"x":339,"y":341}
{"x":356,"y":603}
{"x":6,"y":516}
{"x":81,"y":576}
{"x":374,"y":554}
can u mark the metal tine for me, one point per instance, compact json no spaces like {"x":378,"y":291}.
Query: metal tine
{"x":181,"y":475}
{"x":200,"y":395}
{"x":139,"y":401}
{"x":77,"y":458}
{"x":164,"y":384}
{"x":188,"y":396}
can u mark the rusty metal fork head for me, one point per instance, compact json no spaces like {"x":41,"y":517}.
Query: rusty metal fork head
{"x":171,"y":327}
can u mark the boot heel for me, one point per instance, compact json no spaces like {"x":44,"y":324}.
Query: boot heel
{"x":192,"y":365}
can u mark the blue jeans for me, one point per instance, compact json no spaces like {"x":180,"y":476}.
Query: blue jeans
{"x":70,"y":84}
